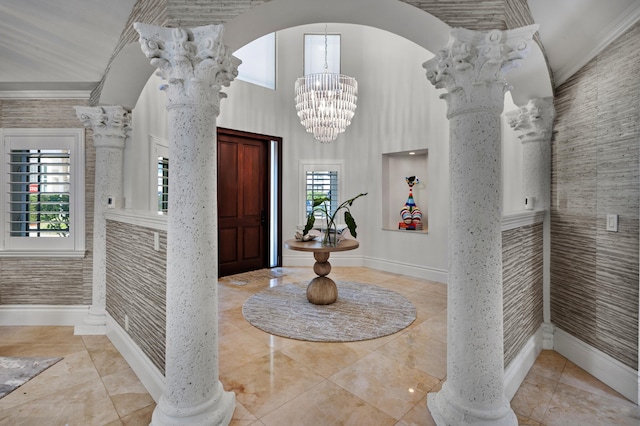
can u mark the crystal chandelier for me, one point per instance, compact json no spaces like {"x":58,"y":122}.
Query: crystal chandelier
{"x":326,"y":101}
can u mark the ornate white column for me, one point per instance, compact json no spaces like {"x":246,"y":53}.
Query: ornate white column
{"x":196,"y":64}
{"x":471,"y":68}
{"x":110,"y":127}
{"x":535,"y":123}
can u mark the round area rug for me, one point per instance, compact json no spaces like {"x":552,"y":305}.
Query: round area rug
{"x":362,"y":311}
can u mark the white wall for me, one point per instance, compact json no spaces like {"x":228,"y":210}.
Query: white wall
{"x":398,"y":110}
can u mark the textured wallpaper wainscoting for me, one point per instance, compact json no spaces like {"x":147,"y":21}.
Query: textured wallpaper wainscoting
{"x":136,"y":286}
{"x":595,"y":172}
{"x":53,"y":281}
{"x":522,"y":257}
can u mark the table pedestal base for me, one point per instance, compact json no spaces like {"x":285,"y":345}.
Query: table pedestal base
{"x":322,"y":290}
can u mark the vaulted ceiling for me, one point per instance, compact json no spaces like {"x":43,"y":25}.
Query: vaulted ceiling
{"x":66,"y":45}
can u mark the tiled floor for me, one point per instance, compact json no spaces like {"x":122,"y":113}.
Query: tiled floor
{"x":285,"y":382}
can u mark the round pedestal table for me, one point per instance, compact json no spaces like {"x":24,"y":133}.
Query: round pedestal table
{"x":322,"y":290}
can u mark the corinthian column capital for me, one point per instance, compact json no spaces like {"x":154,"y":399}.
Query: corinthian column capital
{"x":472,"y":66}
{"x":110,"y":124}
{"x":534,"y":120}
{"x":195,"y":62}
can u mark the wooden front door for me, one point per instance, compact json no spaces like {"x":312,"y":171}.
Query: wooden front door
{"x":243,"y":202}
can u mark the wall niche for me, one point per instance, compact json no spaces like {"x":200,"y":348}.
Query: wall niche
{"x":396,"y":167}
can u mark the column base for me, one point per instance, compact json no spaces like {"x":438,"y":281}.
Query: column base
{"x":447,"y":412}
{"x":95,"y":323}
{"x":216,"y":411}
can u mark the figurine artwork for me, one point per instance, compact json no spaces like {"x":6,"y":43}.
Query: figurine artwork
{"x":410,"y":213}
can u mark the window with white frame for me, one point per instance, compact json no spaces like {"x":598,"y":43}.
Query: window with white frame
{"x":159,"y":176}
{"x":163,"y":184}
{"x":320,"y":178}
{"x":322,"y":184}
{"x":43,"y":191}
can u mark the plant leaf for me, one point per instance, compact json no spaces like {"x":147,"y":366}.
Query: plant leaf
{"x":351,"y":223}
{"x":350,"y":201}
{"x":311,"y":219}
{"x":318,"y":201}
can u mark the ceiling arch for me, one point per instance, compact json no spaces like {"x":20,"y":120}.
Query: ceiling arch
{"x":528,"y":81}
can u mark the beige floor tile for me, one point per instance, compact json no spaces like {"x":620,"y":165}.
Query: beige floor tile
{"x":434,"y":328}
{"x":84,"y":404}
{"x":274,"y":342}
{"x":141,"y":417}
{"x":578,"y":378}
{"x":525,"y":421}
{"x":419,"y":415}
{"x":104,"y":355}
{"x":68,"y":373}
{"x":327,"y":404}
{"x":533,"y":398}
{"x":234,"y":316}
{"x":241,"y":414}
{"x":127,"y":392}
{"x":548,"y":364}
{"x":385,"y":383}
{"x":41,"y":335}
{"x":239,"y":348}
{"x":571,"y":405}
{"x":268,"y":382}
{"x":41,"y":349}
{"x":429,"y":304}
{"x":324,"y":358}
{"x":415,"y":350}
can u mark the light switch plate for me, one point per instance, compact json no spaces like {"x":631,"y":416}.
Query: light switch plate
{"x":612,"y":222}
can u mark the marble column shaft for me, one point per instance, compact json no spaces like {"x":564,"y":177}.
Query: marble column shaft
{"x":110,"y":126}
{"x":471,"y":68}
{"x":196,"y":65}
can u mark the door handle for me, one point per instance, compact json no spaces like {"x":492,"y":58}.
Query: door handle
{"x":263,"y":217}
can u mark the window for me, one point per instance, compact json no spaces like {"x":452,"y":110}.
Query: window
{"x":314,"y":53}
{"x":159,"y":177}
{"x":320,"y":178}
{"x":43,"y":190}
{"x":163,"y":184}
{"x":322,"y":183}
{"x":258,"y":61}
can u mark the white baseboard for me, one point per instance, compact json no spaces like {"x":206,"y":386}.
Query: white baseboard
{"x":149,"y":375}
{"x":307,"y":260}
{"x":416,"y":271}
{"x":42,"y":315}
{"x":518,"y":368}
{"x":608,"y":370}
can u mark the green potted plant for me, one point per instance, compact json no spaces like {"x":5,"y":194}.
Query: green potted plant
{"x":322,"y":204}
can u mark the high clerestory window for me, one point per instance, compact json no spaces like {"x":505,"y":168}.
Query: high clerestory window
{"x":43,"y":191}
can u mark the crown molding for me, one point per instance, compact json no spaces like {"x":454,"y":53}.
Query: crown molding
{"x":609,"y":34}
{"x":45,"y":94}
